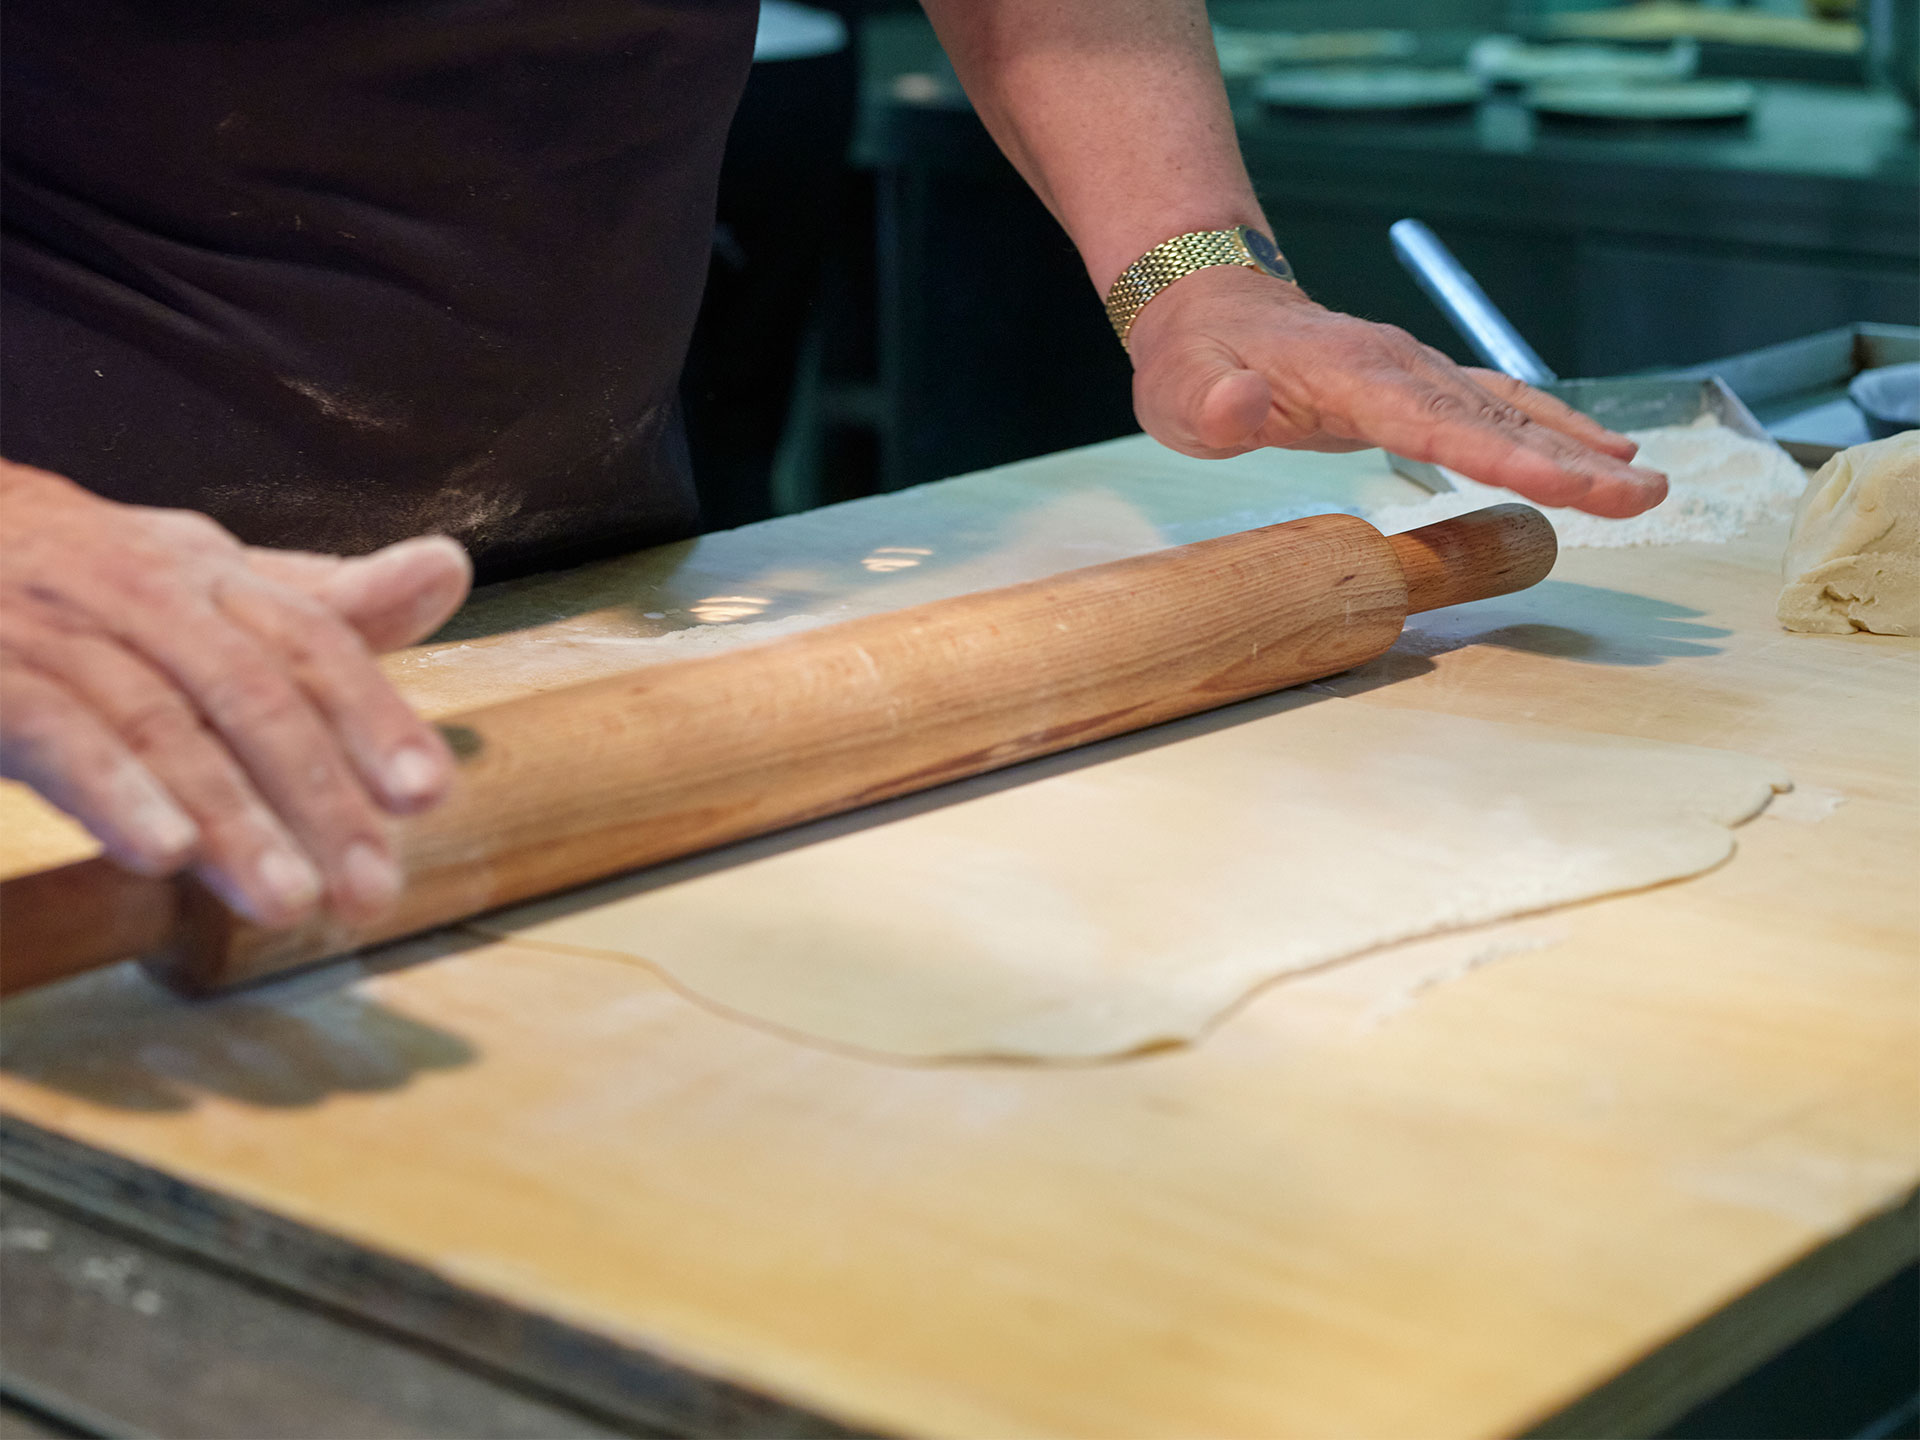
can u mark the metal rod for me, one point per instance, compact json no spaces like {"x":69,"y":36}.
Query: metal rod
{"x":1465,"y":304}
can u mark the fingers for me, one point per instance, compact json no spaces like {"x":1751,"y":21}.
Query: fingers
{"x":402,"y":594}
{"x":191,"y":710}
{"x":1520,"y":455}
{"x":1200,"y":400}
{"x":1554,"y":413}
{"x":402,"y":761}
{"x":245,"y":854}
{"x":54,"y":743}
{"x":242,"y":852}
{"x":1429,"y":409}
{"x":230,"y":723}
{"x":278,"y":818}
{"x":393,"y":597}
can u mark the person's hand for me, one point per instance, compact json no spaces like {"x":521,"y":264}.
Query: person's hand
{"x":198,"y":703}
{"x":1227,"y":360}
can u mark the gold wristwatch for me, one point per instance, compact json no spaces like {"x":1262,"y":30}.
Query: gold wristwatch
{"x":1181,"y":256}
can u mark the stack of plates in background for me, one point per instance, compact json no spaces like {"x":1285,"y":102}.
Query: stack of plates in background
{"x":1676,"y":100}
{"x":1246,"y":53}
{"x":1509,"y":60}
{"x":1353,"y":89}
{"x":1340,"y":72}
{"x":1610,"y":82}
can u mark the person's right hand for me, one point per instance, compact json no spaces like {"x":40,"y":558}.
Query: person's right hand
{"x":1229,"y":360}
{"x":195,"y":702}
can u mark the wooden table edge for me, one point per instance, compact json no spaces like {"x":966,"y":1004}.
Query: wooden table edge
{"x":1703,"y":1360}
{"x":652,"y":1391}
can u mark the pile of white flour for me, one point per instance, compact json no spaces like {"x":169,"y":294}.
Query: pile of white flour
{"x":1722,"y":484}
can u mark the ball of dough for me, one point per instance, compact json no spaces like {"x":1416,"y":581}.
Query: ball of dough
{"x":1853,"y":562}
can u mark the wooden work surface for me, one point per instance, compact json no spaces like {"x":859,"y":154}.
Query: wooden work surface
{"x":1464,"y":1187}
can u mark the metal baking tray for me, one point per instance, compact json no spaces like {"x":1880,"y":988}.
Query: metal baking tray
{"x":1640,"y":402}
{"x":1798,"y":388}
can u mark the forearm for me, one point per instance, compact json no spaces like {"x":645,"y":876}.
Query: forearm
{"x":1114,"y":112}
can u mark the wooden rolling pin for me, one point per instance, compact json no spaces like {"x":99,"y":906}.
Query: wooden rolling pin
{"x":572,"y":785}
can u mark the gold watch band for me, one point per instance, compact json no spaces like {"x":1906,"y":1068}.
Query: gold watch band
{"x":1174,"y":259}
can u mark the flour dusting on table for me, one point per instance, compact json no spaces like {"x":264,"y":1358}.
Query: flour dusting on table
{"x":1722,"y":485}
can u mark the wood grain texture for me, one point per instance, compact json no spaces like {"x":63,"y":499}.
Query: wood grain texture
{"x":1478,"y":556}
{"x":570,"y":786}
{"x":1451,"y":1189}
{"x":77,"y":917}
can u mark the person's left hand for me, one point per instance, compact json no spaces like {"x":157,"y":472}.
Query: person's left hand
{"x":202,"y":704}
{"x":1227,"y":360}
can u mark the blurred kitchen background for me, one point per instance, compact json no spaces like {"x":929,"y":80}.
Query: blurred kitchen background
{"x":1640,"y":187}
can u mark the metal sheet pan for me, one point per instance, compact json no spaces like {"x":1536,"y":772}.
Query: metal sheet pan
{"x":1798,"y":388}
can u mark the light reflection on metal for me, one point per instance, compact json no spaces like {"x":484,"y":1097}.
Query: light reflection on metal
{"x":894,"y":557}
{"x":720,"y":609}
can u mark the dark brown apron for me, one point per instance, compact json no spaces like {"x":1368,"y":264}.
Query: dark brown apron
{"x":340,"y":273}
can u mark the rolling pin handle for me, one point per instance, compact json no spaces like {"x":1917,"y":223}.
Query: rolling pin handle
{"x":1475,"y":556}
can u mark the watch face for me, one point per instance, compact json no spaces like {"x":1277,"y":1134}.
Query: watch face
{"x":1265,"y":253}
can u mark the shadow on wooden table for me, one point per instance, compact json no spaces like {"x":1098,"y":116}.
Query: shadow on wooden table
{"x":1556,"y":619}
{"x":1595,"y":626}
{"x":114,"y":1037}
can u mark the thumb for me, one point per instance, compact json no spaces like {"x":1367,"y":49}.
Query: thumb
{"x":393,"y":597}
{"x":1202,"y":401}
{"x":401,"y":594}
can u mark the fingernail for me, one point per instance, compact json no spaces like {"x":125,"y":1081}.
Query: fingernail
{"x":374,"y":879}
{"x":412,"y":774}
{"x":290,"y":880}
{"x":160,"y":826}
{"x":164,"y":831}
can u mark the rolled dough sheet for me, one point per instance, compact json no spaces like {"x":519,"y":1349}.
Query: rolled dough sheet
{"x":1100,"y":904}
